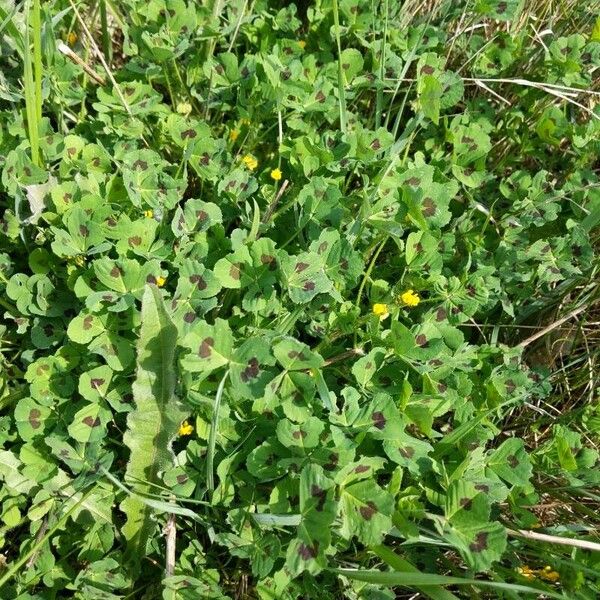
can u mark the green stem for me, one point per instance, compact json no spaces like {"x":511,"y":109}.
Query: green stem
{"x":212,"y":436}
{"x":106,"y":45}
{"x":37,"y":58}
{"x":367,"y":276}
{"x":341,"y":90}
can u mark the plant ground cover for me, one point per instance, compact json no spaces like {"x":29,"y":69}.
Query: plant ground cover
{"x":299,"y":300}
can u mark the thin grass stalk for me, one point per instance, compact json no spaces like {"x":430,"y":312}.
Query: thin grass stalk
{"x":106,"y":44}
{"x":341,"y":89}
{"x":31,"y":98}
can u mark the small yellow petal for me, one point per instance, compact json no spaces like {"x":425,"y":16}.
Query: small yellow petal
{"x":160,"y":281}
{"x":234,"y":134}
{"x":250,"y":162}
{"x":71,"y":38}
{"x":185,"y":428}
{"x":276,"y":174}
{"x":149,"y":213}
{"x":302,"y":44}
{"x":380,"y":310}
{"x":410,"y":298}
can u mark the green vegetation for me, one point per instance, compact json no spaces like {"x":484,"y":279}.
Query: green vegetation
{"x":299,"y":300}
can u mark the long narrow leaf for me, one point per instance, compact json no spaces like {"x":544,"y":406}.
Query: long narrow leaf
{"x":153,"y":424}
{"x":417,"y":580}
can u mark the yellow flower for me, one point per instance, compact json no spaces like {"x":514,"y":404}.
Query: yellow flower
{"x":79,"y":260}
{"x":250,"y":162}
{"x":410,"y":298}
{"x":276,"y":174}
{"x":71,"y":38}
{"x":149,"y":213}
{"x":234,"y":134}
{"x":381,"y":310}
{"x":302,"y":44}
{"x":185,"y":428}
{"x":184,"y":108}
{"x":160,"y":281}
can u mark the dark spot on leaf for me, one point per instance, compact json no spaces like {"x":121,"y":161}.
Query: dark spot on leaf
{"x":188,"y":133}
{"x":205,"y":159}
{"x":441,"y":314}
{"x":134,"y":240}
{"x":299,"y":433}
{"x":320,"y":97}
{"x":333,"y":462}
{"x":510,"y":386}
{"x":407,"y":451}
{"x":48,"y":330}
{"x":501,"y":7}
{"x":182,"y":478}
{"x":116,"y":272}
{"x":513,"y":461}
{"x":205,"y":347}
{"x":413,"y":181}
{"x":361,"y":469}
{"x":189,"y":317}
{"x":34,"y":418}
{"x":421,"y":340}
{"x":480,"y":542}
{"x":267,"y":259}
{"x":87,"y":322}
{"x":466,"y":503}
{"x":427,"y":70}
{"x":308,"y":286}
{"x":375,"y":144}
{"x":198,"y":280}
{"x":482,"y":487}
{"x":91,"y":421}
{"x":367,"y":512}
{"x":301,"y":266}
{"x":429,"y":207}
{"x":307,"y":552}
{"x":234,"y":271}
{"x":378,"y":419}
{"x":251,"y":371}
{"x":151,"y":279}
{"x":71,"y":151}
{"x":84,"y":231}
{"x":96,"y":383}
{"x":142,"y":165}
{"x":201,"y":215}
{"x":322,"y":247}
{"x":320,"y":494}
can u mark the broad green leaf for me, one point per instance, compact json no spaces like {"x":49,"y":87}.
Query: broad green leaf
{"x":366,"y":512}
{"x":154,"y":422}
{"x":511,"y":462}
{"x":296,"y":356}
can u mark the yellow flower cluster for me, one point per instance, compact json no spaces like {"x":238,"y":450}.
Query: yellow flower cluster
{"x":276,"y":174}
{"x":410,"y":298}
{"x":234,"y":134}
{"x":160,"y":281}
{"x":185,"y":428}
{"x":547,"y":573}
{"x":381,"y":310}
{"x":149,"y":213}
{"x":250,"y":162}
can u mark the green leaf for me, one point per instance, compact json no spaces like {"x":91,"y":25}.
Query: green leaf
{"x":296,"y":356}
{"x":366,"y":512}
{"x":418,"y":580}
{"x":511,"y":462}
{"x":154,"y":422}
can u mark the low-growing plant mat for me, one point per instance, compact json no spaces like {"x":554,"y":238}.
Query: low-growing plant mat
{"x":299,"y":300}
